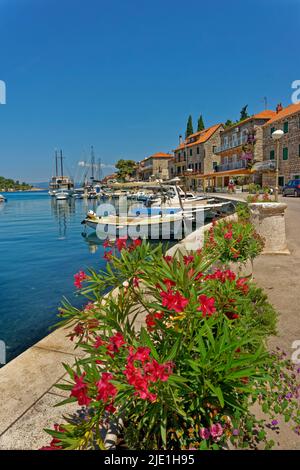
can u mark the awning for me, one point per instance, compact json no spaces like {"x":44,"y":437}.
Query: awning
{"x":217,"y":174}
{"x":263,"y":166}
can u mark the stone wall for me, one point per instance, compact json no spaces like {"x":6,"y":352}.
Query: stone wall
{"x":287,"y":168}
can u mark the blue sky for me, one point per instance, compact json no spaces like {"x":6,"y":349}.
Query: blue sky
{"x":123,"y":75}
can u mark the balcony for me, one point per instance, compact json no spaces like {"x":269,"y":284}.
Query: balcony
{"x":239,"y":165}
{"x":235,"y":142}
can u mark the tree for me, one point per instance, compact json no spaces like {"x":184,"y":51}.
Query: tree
{"x":189,"y":127}
{"x":244,"y":113}
{"x":125,"y":168}
{"x":200,"y":124}
{"x":228,"y":123}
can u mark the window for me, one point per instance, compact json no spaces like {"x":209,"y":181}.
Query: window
{"x":272,"y":154}
{"x":272,"y":130}
{"x":299,"y":151}
{"x":196,"y":165}
{"x":286,"y":127}
{"x":159,"y":169}
{"x":184,"y":154}
{"x":198,"y":150}
{"x":214,"y":148}
{"x":215,"y":164}
{"x":285,"y":153}
{"x":199,"y":166}
{"x":281,"y":181}
{"x":191,"y":152}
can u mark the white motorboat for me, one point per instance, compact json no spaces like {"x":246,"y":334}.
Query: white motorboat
{"x":163,"y":225}
{"x":2,"y":198}
{"x":62,"y":195}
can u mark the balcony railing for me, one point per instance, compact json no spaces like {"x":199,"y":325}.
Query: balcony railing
{"x":236,"y":142}
{"x":241,"y":164}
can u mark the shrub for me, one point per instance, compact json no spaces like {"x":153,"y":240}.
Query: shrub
{"x":188,"y":376}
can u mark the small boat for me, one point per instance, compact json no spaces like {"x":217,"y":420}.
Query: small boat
{"x":62,"y":195}
{"x":2,"y":198}
{"x":162,"y":225}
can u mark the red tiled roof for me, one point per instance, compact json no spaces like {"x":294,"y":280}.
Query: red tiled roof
{"x":266,"y":114}
{"x":200,"y":137}
{"x":284,"y":113}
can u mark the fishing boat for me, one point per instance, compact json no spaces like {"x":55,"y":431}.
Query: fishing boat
{"x":60,"y":182}
{"x":162,"y":225}
{"x":2,"y":198}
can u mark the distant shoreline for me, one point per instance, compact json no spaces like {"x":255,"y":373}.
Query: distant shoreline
{"x":31,"y":190}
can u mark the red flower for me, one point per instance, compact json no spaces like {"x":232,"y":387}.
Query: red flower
{"x":228,"y":235}
{"x":137,"y":242}
{"x":151,"y":319}
{"x":78,"y":278}
{"x":121,"y":243}
{"x":89,"y":306}
{"x":168,"y":283}
{"x":108,"y":255}
{"x":55,"y":440}
{"x":98,"y":342}
{"x":207,"y":305}
{"x":107,"y":243}
{"x":106,"y":389}
{"x":242,"y":285}
{"x":79,"y":390}
{"x":199,"y":276}
{"x":168,"y":259}
{"x":115,"y":343}
{"x":174,"y":301}
{"x":78,"y":331}
{"x":135,"y":282}
{"x":188,"y":259}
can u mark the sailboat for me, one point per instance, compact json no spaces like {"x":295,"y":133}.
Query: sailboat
{"x":60,"y":182}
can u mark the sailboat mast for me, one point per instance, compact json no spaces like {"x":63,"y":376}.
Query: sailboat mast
{"x":61,"y":163}
{"x":92,"y":162}
{"x":56,"y":168}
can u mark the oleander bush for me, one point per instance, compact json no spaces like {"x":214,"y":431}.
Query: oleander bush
{"x":188,"y":377}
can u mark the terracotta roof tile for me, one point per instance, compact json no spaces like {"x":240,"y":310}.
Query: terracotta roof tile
{"x":200,"y":137}
{"x":284,"y":113}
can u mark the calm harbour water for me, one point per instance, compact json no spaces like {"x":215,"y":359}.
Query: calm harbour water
{"x":41,"y":247}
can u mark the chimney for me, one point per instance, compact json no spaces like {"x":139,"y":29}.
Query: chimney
{"x":279,"y":108}
{"x":180,"y":139}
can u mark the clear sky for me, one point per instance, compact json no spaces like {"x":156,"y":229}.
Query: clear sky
{"x":123,"y":75}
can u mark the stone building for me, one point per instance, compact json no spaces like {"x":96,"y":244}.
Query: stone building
{"x":196,"y":155}
{"x":241,"y":146}
{"x":288,"y":120}
{"x":154,"y":167}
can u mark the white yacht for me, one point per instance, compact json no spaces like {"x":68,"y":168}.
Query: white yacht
{"x":2,"y":198}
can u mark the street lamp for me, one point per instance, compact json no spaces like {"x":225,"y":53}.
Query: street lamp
{"x":276,"y":136}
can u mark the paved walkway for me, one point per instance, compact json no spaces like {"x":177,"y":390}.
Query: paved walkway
{"x":27,"y":395}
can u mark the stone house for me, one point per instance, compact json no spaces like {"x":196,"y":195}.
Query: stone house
{"x":288,"y":120}
{"x":196,"y":155}
{"x":241,"y":147}
{"x":154,"y":167}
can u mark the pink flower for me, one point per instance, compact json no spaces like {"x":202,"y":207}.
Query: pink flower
{"x":121,"y":243}
{"x":106,"y":390}
{"x":206,"y":305}
{"x":168,"y":283}
{"x":204,"y":433}
{"x":80,"y":390}
{"x":188,"y":259}
{"x":228,"y":235}
{"x":78,"y":278}
{"x":242,"y":285}
{"x":174,"y":301}
{"x":151,"y":319}
{"x":107,"y":243}
{"x":98,"y":342}
{"x":216,"y":430}
{"x":115,"y":343}
{"x":108,"y":255}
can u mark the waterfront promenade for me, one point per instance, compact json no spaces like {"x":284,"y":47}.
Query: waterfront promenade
{"x":26,"y":383}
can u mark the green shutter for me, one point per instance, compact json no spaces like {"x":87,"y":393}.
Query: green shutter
{"x":299,"y":151}
{"x":272,"y":130}
{"x":285,"y":153}
{"x":286,"y":127}
{"x":272,"y":154}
